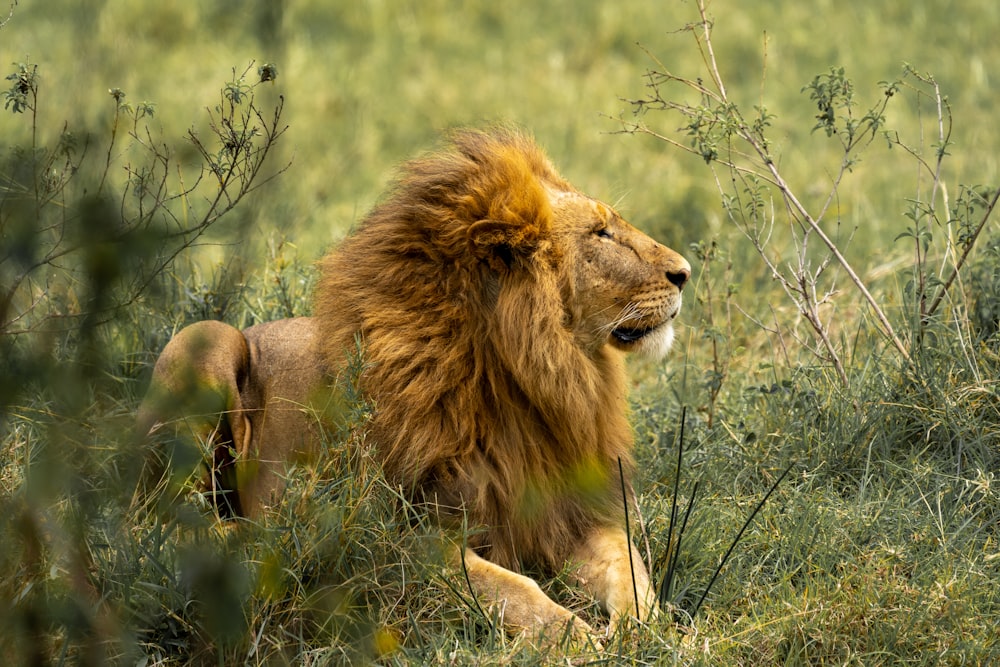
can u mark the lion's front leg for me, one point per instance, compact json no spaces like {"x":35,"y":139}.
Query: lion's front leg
{"x":522,"y":605}
{"x":604,"y":569}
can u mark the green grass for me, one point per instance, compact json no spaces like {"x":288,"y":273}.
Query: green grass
{"x":880,"y":547}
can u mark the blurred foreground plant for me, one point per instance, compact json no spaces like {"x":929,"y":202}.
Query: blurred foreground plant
{"x":82,"y":253}
{"x":87,"y":227}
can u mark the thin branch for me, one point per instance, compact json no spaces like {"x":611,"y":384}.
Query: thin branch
{"x":10,"y":14}
{"x":812,"y":223}
{"x":718,"y":130}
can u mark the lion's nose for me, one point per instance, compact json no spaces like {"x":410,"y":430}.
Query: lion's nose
{"x":679,"y":276}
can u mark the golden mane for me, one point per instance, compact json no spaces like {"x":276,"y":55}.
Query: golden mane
{"x":483,"y":401}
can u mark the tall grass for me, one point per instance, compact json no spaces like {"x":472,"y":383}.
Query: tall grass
{"x":879,"y":547}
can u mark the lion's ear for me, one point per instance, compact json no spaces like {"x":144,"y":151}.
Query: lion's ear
{"x":501,"y":243}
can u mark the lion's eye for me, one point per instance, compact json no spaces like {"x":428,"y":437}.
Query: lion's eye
{"x":603,"y":232}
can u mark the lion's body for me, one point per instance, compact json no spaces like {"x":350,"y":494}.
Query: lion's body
{"x":492,"y":302}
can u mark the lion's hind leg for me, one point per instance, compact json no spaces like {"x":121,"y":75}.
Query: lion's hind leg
{"x":193,"y":414}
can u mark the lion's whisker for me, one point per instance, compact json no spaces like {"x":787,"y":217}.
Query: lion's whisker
{"x":628,"y":313}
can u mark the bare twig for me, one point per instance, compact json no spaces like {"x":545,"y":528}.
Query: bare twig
{"x":10,"y":14}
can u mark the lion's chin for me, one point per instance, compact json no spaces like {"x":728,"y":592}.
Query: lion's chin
{"x":654,"y":342}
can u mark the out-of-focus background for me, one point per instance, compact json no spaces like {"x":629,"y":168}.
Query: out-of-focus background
{"x":368,"y":84}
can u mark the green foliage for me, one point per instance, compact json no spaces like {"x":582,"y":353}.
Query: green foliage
{"x":833,"y":94}
{"x":22,"y":92}
{"x":64,"y":229}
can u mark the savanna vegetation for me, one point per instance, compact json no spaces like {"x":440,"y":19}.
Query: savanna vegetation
{"x":830,"y":169}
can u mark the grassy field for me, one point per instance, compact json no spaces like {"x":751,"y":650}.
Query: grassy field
{"x":880,"y":546}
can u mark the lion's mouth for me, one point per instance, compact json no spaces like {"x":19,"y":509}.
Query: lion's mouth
{"x":651,"y":335}
{"x":629,"y":335}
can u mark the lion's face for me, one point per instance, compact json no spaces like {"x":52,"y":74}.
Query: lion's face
{"x":620,"y":287}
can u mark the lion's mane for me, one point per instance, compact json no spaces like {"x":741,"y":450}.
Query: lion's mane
{"x":483,"y":402}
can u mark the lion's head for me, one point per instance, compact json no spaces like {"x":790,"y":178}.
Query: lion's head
{"x":620,"y":287}
{"x":617,"y":285}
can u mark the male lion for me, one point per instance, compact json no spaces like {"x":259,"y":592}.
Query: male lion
{"x":492,"y":301}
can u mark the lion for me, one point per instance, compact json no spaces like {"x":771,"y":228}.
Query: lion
{"x":492,"y":302}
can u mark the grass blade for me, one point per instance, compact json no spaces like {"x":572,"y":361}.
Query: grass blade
{"x":739,"y":536}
